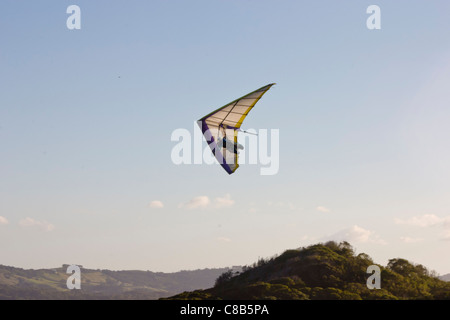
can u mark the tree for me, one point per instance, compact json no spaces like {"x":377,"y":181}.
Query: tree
{"x":401,"y":266}
{"x":224,"y":277}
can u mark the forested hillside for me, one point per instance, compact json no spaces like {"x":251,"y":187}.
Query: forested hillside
{"x":324,"y":271}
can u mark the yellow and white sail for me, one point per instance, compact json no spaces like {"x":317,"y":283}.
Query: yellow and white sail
{"x":221,"y":127}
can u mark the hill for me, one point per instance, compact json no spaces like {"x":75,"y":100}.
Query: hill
{"x":17,"y":283}
{"x":322,"y":272}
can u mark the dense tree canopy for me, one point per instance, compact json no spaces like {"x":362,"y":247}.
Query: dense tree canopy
{"x":324,"y":271}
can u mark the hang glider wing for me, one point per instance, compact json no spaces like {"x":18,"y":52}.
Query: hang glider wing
{"x":221,"y":127}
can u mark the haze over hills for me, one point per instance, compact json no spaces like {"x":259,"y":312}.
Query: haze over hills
{"x":445,"y":277}
{"x":329,"y":271}
{"x":17,"y":283}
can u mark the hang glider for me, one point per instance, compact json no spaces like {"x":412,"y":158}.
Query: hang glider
{"x":220,"y":128}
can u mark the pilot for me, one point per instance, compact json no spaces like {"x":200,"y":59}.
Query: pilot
{"x":231,"y":146}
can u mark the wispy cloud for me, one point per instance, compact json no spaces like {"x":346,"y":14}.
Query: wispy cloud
{"x":196,"y":203}
{"x":31,"y":223}
{"x":356,"y":234}
{"x":282,"y":205}
{"x":427,"y":220}
{"x":156,"y":204}
{"x":410,"y":240}
{"x":203,"y":202}
{"x":323,"y":209}
{"x":3,"y":220}
{"x":446,"y":236}
{"x":223,"y":202}
{"x":223,"y":239}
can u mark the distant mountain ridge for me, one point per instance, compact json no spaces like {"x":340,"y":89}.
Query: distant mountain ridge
{"x":17,"y":283}
{"x":445,"y":277}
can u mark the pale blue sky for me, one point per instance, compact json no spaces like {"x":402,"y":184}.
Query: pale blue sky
{"x":363,"y":119}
